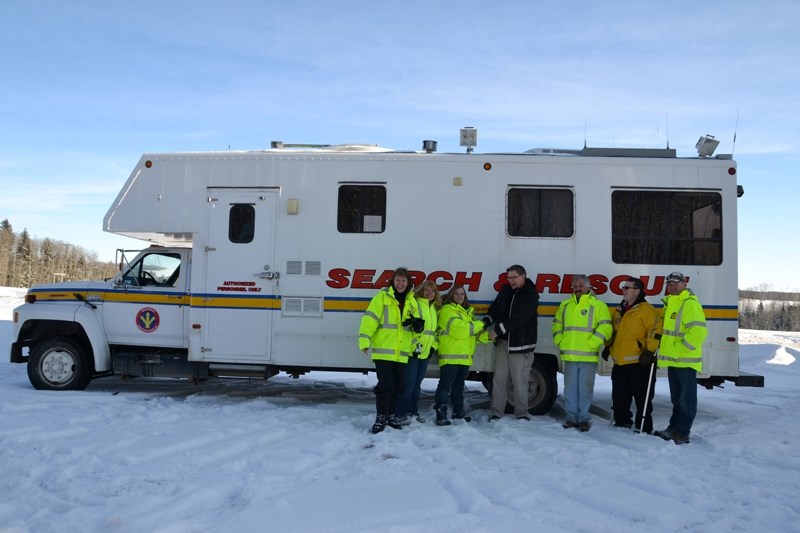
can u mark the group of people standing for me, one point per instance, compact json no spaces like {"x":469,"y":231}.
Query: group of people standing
{"x":402,"y":329}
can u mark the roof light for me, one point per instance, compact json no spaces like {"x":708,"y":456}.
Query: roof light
{"x":706,"y":145}
{"x":469,"y":138}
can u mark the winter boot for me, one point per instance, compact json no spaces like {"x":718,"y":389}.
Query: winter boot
{"x":458,"y":413}
{"x":397,"y":422}
{"x":666,"y":434}
{"x":441,"y":416}
{"x":380,"y":423}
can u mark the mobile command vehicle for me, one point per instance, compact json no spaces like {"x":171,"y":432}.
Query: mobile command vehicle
{"x":264,"y":261}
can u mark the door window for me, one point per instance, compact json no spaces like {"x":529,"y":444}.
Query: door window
{"x":154,"y":270}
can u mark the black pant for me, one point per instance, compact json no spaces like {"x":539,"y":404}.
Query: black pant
{"x":390,"y":385}
{"x":630,"y":382}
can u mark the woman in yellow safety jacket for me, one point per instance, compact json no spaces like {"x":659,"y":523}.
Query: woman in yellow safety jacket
{"x":386,"y":333}
{"x":428,"y":301}
{"x":636,"y":326}
{"x":459,"y":333}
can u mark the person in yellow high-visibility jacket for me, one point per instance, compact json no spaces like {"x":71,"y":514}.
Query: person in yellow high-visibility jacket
{"x":459,"y":333}
{"x":428,"y":301}
{"x":386,"y":333}
{"x":681,"y":352}
{"x":581,"y":328}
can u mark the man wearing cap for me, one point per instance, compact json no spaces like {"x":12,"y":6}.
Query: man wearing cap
{"x":681,"y":352}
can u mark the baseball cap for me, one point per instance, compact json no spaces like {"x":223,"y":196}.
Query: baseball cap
{"x":676,"y":277}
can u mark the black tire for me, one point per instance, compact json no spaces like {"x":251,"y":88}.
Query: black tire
{"x":59,"y":363}
{"x":542,"y":389}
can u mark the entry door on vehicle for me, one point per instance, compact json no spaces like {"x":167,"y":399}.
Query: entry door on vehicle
{"x":147,"y":306}
{"x":241,"y":277}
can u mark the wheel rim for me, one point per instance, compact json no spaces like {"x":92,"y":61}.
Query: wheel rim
{"x":535,"y":389}
{"x":58,"y":366}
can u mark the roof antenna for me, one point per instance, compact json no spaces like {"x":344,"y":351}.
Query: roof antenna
{"x":584,"y":133}
{"x":735,"y":129}
{"x":667,"y":130}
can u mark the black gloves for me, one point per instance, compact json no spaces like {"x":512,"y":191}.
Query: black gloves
{"x":606,"y":353}
{"x":487,"y":321}
{"x":417,"y":325}
{"x":646,"y":358}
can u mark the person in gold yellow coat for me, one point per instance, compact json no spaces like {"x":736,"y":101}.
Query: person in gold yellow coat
{"x":636,"y":327}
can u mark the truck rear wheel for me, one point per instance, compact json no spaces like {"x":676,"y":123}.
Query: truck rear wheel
{"x":542,"y":389}
{"x":59,"y":363}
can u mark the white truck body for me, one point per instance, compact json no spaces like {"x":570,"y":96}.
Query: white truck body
{"x":270,"y":257}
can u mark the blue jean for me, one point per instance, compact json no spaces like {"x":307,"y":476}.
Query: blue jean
{"x":451,"y":384}
{"x":408,"y":400}
{"x":578,"y":390}
{"x":683,"y":393}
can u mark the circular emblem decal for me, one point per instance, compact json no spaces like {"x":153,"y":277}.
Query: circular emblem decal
{"x":147,"y":319}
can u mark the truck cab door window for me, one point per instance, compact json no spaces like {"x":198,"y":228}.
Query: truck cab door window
{"x":154,"y":270}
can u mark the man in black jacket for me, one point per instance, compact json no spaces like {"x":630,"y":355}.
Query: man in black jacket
{"x":513,"y":316}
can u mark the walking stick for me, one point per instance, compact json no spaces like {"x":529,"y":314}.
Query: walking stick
{"x":647,"y":395}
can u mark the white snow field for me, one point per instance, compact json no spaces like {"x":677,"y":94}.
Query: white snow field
{"x":297,"y":455}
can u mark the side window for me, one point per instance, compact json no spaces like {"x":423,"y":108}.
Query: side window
{"x":154,"y":270}
{"x":663,"y":227}
{"x":540,"y":212}
{"x":361,"y":209}
{"x":241,"y":223}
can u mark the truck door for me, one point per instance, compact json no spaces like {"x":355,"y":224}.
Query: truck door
{"x":147,"y":306}
{"x":241,"y":277}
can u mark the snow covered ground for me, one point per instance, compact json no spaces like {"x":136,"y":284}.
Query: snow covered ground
{"x":296,"y":455}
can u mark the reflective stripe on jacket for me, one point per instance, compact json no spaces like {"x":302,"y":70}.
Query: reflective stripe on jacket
{"x":581,"y":328}
{"x":382,"y":327}
{"x":634,"y":331}
{"x":423,"y":342}
{"x":459,"y":333}
{"x":684,"y":332}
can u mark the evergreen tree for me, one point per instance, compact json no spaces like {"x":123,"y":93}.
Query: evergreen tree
{"x":46,"y":263}
{"x":23,"y":261}
{"x":7,"y":239}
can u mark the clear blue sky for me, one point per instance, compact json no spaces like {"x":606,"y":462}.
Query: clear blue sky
{"x":87,"y":87}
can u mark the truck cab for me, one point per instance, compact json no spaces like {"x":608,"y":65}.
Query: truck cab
{"x":70,"y":332}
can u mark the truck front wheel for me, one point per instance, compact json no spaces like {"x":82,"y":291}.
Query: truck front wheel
{"x":59,"y":364}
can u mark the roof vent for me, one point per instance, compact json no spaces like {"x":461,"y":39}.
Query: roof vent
{"x":429,"y":146}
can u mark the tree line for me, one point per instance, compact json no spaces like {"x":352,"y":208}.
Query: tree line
{"x":25,"y":261}
{"x":769,"y":310}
